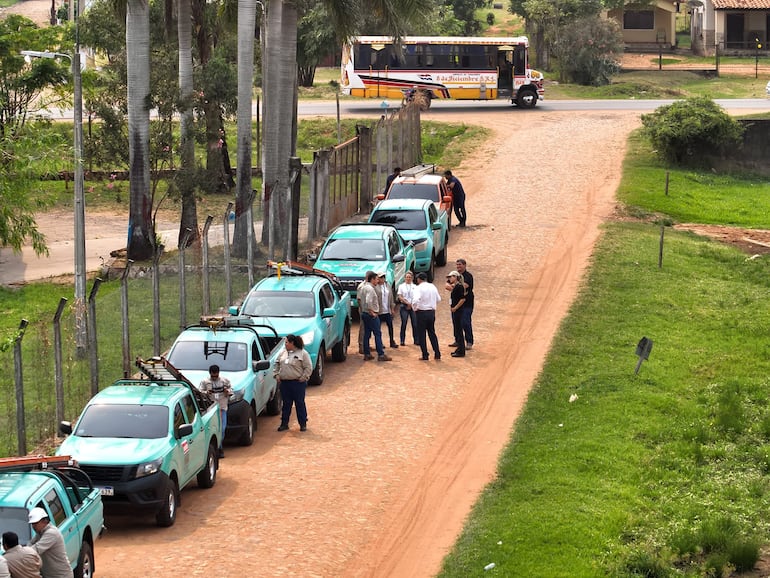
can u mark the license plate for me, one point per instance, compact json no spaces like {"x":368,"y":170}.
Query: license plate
{"x":107,"y":491}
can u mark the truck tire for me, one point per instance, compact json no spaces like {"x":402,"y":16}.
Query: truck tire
{"x":317,"y":377}
{"x":441,"y":257}
{"x":85,"y":567}
{"x":166,"y":516}
{"x":526,"y":98}
{"x":247,"y":437}
{"x":207,"y":477}
{"x":431,"y":272}
{"x":274,"y":406}
{"x":340,"y":349}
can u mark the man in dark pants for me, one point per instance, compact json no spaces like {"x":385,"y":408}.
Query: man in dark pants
{"x":370,"y":303}
{"x":456,"y":305}
{"x":292,"y":370}
{"x":467,"y":309}
{"x":458,"y":197}
{"x":425,"y":301}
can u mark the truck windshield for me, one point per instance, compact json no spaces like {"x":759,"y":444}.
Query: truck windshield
{"x":124,"y":421}
{"x":354,"y":250}
{"x":279,"y":304}
{"x":401,"y":220}
{"x":200,"y":355}
{"x":416,"y":191}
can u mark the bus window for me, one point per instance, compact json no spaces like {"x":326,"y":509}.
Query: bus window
{"x":519,"y":61}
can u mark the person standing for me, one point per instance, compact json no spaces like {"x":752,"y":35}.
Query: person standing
{"x":219,"y":389}
{"x":4,"y":571}
{"x":49,"y":544}
{"x":458,"y":197}
{"x":425,"y":302}
{"x":370,"y":303}
{"x":404,"y":295}
{"x":23,"y":561}
{"x":456,"y":305}
{"x":388,"y":307}
{"x":292,"y":370}
{"x":460,"y":267}
{"x":389,"y":181}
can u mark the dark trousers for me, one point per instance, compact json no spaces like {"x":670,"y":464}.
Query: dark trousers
{"x":457,"y":326}
{"x":372,"y":327}
{"x":387,"y":319}
{"x":460,"y":214}
{"x":467,"y":325}
{"x":408,"y":314}
{"x":293,"y":392}
{"x":426,"y":324}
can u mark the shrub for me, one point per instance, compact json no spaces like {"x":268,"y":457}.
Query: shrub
{"x":588,"y":50}
{"x":490,"y":18}
{"x":687,"y":131}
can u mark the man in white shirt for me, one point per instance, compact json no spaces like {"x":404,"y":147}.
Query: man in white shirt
{"x":424,"y":302}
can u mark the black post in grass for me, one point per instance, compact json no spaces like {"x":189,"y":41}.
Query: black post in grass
{"x":643,"y":349}
{"x":660,"y":246}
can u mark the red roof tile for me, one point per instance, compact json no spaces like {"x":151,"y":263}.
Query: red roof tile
{"x":741,"y":4}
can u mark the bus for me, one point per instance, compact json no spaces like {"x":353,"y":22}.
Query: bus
{"x":456,"y":67}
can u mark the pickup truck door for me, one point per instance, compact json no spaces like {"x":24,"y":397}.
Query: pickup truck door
{"x":61,"y":515}
{"x":396,"y":246}
{"x":191,"y":450}
{"x":438,"y":234}
{"x":328,"y":298}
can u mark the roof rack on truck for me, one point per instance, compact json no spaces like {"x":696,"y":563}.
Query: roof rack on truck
{"x":159,"y":370}
{"x":296,"y":268}
{"x":419,"y":170}
{"x":30,"y":463}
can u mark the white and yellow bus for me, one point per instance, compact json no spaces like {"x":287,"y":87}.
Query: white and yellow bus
{"x":463,"y":68}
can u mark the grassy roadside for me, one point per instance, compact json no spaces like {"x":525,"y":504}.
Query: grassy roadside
{"x":659,"y":474}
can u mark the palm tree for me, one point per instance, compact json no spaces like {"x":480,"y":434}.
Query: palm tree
{"x":186,"y":178}
{"x":280,"y":87}
{"x":140,"y":233}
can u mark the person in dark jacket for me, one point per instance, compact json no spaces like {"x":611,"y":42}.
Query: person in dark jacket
{"x":458,"y":197}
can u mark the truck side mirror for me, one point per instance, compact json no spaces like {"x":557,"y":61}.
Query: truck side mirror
{"x":260,"y":365}
{"x":328,"y":312}
{"x":233,"y":310}
{"x":184,"y":430}
{"x":65,"y":428}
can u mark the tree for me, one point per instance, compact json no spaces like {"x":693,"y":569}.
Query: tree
{"x":140,"y":230}
{"x":465,"y":12}
{"x":589,"y":50}
{"x":316,"y":40}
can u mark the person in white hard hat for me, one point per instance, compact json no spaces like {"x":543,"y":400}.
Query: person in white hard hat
{"x":49,"y":544}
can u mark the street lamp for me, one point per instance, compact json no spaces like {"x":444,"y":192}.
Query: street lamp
{"x":79,"y":203}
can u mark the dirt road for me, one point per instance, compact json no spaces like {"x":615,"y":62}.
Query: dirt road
{"x":397,"y":453}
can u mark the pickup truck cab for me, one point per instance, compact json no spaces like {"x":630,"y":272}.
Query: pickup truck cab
{"x":67,"y":495}
{"x":142,"y":440}
{"x":420,"y":182}
{"x":300,"y":300}
{"x":420,"y":222}
{"x":244,"y":356}
{"x":352,"y":250}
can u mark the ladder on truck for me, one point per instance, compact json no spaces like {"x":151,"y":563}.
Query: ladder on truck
{"x":31,"y":463}
{"x":160,"y":369}
{"x":417,"y":171}
{"x":297,"y":268}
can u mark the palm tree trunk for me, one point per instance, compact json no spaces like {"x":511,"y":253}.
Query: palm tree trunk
{"x":186,"y":175}
{"x":140,"y":227}
{"x":247,"y":16}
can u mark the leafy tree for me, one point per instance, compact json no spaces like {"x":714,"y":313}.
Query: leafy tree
{"x":688,"y":131}
{"x":465,"y":12}
{"x":316,"y":40}
{"x":588,"y":50}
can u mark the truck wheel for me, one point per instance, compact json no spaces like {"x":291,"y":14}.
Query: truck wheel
{"x":85,"y":567}
{"x":317,"y":377}
{"x":274,"y":406}
{"x":441,"y":257}
{"x":247,"y":437}
{"x":340,"y":349}
{"x":207,"y":477}
{"x":166,"y":516}
{"x":431,"y":270}
{"x":526,"y":99}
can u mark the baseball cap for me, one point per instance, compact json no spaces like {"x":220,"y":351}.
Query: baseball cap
{"x":454,"y":274}
{"x":37,"y":514}
{"x":381,"y":275}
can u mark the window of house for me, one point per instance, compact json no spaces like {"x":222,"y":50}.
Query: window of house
{"x":638,"y":20}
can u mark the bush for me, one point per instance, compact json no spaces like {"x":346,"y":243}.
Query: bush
{"x":588,"y":50}
{"x":686,"y":132}
{"x":490,"y":18}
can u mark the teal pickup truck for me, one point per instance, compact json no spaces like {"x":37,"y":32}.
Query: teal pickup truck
{"x":245,"y":353}
{"x":67,"y":495}
{"x":300,"y":300}
{"x":142,"y":440}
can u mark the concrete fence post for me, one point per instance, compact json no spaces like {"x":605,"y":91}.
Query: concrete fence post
{"x":18,"y":374}
{"x":93,"y":353}
{"x":57,"y":360}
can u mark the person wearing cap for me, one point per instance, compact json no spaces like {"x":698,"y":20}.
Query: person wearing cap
{"x":425,"y":301}
{"x":369,"y":303}
{"x":20,"y":561}
{"x":387,"y":308}
{"x":456,"y":304}
{"x":49,"y":544}
{"x":458,"y":196}
{"x":219,"y":389}
{"x":461,"y":268}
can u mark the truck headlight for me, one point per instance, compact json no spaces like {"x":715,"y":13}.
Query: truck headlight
{"x":308,"y":337}
{"x":148,"y":468}
{"x":421,"y":245}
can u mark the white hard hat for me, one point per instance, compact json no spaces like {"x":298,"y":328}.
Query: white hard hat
{"x":37,"y":514}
